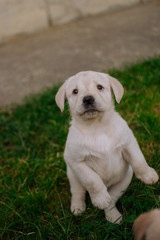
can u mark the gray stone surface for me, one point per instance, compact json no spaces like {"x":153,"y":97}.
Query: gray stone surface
{"x":21,"y":16}
{"x":28,"y":16}
{"x":62,"y":11}
{"x":28,"y":65}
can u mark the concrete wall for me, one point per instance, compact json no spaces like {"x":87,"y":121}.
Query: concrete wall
{"x":27,"y":16}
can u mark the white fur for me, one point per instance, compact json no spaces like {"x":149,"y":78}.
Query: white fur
{"x":100,"y":150}
{"x":147,"y":226}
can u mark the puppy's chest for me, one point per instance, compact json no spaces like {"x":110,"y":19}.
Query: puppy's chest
{"x":100,"y":146}
{"x":104,"y":157}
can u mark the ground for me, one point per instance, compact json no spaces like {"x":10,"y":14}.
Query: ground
{"x":34,"y":189}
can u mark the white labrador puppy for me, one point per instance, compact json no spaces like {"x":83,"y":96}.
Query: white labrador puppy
{"x":147,"y":226}
{"x":101,"y":151}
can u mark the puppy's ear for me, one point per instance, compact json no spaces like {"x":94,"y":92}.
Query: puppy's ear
{"x":141,"y":225}
{"x":147,"y":226}
{"x":117,"y":88}
{"x":60,"y":97}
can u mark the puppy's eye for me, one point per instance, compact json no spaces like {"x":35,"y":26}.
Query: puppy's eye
{"x":99,"y":87}
{"x":75,"y":91}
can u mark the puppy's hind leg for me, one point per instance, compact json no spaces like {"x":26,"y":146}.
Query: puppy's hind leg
{"x":116,"y":191}
{"x":78,"y":192}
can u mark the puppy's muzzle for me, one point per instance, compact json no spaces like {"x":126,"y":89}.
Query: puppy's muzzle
{"x":88,"y":101}
{"x":90,"y":110}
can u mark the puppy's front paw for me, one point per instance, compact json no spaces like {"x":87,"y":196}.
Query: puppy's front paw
{"x":113,"y":215}
{"x":101,"y":200}
{"x":149,"y":177}
{"x":77,"y":207}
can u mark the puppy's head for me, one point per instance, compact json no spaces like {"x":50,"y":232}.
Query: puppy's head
{"x":89,"y":94}
{"x":147,"y":226}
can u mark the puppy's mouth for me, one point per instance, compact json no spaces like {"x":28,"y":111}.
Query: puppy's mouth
{"x":90,"y":112}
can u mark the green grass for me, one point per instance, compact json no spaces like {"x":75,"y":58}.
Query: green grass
{"x":34,"y":190}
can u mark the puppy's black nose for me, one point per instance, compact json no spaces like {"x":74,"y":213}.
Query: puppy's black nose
{"x":88,"y":100}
